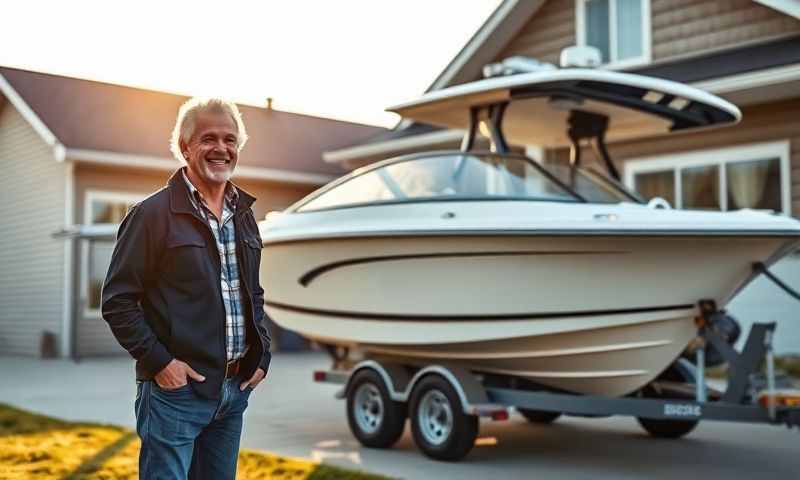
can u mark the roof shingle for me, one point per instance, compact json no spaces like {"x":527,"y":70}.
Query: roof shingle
{"x":85,"y":114}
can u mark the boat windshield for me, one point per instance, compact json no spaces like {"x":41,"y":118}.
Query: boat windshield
{"x":447,"y":176}
{"x":593,"y":186}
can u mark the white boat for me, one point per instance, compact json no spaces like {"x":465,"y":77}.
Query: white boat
{"x":490,"y":261}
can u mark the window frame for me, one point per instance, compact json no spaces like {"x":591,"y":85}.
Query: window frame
{"x":614,"y":64}
{"x":89,"y":197}
{"x":719,"y":157}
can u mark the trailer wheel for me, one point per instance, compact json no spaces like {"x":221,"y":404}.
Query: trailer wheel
{"x":374,"y":418}
{"x":538,"y":416}
{"x":668,"y":428}
{"x":439,"y":425}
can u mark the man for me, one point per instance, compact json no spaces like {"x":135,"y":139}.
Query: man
{"x":182,"y":296}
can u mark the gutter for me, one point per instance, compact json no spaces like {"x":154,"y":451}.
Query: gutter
{"x":101,"y":157}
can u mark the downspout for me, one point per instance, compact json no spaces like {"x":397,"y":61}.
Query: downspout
{"x":68,"y":302}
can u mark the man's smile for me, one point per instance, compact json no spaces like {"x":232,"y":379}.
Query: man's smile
{"x":218,"y":161}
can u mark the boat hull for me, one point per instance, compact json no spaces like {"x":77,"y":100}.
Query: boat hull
{"x":594,"y":315}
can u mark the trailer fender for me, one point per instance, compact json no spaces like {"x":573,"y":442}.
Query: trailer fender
{"x":470,"y":391}
{"x":395,"y":376}
{"x":400,"y":383}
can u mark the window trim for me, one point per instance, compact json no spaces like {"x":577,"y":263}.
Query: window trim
{"x":89,"y":197}
{"x":580,"y":34}
{"x":720,"y":157}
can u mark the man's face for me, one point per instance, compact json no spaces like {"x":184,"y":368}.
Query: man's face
{"x":211,"y":153}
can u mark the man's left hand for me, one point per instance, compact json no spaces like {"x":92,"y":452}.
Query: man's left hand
{"x":257,"y":377}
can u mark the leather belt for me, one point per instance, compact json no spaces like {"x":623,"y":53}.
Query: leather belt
{"x":233,"y":368}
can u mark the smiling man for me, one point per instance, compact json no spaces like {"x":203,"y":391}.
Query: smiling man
{"x":182,"y":296}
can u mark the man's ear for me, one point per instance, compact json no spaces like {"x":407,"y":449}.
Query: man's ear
{"x":182,"y":145}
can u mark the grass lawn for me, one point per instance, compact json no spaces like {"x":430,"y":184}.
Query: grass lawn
{"x":39,"y":447}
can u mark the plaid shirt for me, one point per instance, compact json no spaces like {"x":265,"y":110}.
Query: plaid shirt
{"x":225,"y":236}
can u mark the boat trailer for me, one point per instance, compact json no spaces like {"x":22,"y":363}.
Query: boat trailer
{"x":443,"y":401}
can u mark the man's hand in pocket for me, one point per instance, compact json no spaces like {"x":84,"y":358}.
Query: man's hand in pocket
{"x":177,"y":374}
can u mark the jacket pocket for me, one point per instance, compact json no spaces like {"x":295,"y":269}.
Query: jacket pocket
{"x":252,"y":255}
{"x":186,"y":259}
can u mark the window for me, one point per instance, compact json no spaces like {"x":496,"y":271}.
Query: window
{"x":620,"y":29}
{"x":750,"y":176}
{"x":101,"y":208}
{"x":444,"y":177}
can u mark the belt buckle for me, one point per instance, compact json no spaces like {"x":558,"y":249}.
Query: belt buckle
{"x":232,"y":368}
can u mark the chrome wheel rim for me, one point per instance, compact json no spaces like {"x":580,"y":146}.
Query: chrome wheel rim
{"x":435,"y":417}
{"x":368,"y":406}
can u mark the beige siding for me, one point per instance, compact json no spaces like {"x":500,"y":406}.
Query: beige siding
{"x":269,"y":195}
{"x":681,"y":27}
{"x":762,"y":123}
{"x":549,"y":31}
{"x":32,"y":261}
{"x":273,"y":196}
{"x":93,"y":337}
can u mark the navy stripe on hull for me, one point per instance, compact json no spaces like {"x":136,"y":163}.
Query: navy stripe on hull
{"x":471,"y":318}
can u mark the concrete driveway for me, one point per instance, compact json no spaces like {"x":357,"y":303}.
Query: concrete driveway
{"x":291,"y":415}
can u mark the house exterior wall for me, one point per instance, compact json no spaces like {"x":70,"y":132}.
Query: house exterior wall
{"x":549,"y":31}
{"x":269,"y":195}
{"x":31,"y":285}
{"x":93,"y":337}
{"x":679,"y":28}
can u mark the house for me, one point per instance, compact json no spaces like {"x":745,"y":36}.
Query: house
{"x":743,"y":50}
{"x":78,"y":152}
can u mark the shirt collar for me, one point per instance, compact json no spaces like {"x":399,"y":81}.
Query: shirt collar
{"x":231,"y":195}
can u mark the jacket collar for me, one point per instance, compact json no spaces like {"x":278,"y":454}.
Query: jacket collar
{"x":179,"y":201}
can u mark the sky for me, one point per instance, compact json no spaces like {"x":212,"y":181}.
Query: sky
{"x":342,"y":59}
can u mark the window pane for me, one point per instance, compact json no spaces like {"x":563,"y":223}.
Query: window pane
{"x":106,"y":211}
{"x":99,"y":260}
{"x":444,"y":177}
{"x":755,"y":184}
{"x":629,"y":29}
{"x":597,"y":27}
{"x":656,"y":184}
{"x":700,"y":187}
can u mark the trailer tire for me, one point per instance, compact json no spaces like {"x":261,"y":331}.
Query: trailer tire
{"x":667,"y":428}
{"x":439,"y":425}
{"x":539,"y":416}
{"x":374,"y":418}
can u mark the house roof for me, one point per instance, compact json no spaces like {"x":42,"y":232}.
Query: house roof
{"x":87,"y":115}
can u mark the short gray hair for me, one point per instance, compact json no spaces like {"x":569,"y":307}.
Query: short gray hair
{"x":187,"y":117}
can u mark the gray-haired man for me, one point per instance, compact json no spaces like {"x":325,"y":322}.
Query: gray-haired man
{"x":182,"y":296}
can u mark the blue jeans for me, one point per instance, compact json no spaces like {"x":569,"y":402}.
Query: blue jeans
{"x":187,"y":436}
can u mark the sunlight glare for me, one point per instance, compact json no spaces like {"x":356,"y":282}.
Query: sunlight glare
{"x":347,"y":59}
